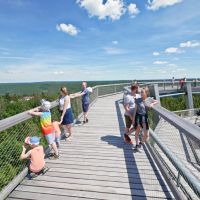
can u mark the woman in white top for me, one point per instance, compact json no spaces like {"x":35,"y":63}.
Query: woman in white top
{"x":66,"y":112}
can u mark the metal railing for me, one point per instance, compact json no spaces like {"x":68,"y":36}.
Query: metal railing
{"x":176,"y":142}
{"x":15,"y":129}
{"x":170,"y":142}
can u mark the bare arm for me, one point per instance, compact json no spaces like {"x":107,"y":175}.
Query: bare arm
{"x":134,"y":114}
{"x":25,"y":155}
{"x":66,"y":103}
{"x":35,"y":112}
{"x":126,"y":107}
{"x":153,"y":103}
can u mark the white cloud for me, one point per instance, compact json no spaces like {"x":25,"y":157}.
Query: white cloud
{"x":190,"y":44}
{"x":67,"y":28}
{"x":113,"y":51}
{"x":155,"y":53}
{"x":156,"y":4}
{"x":133,"y":10}
{"x":158,"y":62}
{"x":112,"y":9}
{"x":58,"y":72}
{"x":173,"y":50}
{"x":115,"y":42}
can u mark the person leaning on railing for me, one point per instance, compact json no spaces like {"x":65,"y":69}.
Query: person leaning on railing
{"x":140,"y":118}
{"x":85,"y":94}
{"x":46,"y":125}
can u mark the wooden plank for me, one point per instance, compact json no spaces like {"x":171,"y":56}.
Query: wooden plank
{"x":136,"y":185}
{"x":97,"y":164}
{"x":96,"y":189}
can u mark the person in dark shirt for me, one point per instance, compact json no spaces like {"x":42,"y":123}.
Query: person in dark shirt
{"x":141,"y":118}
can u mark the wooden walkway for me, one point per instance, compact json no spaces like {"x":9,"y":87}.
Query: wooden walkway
{"x":97,"y":164}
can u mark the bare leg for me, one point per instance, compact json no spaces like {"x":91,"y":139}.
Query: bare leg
{"x":54,"y":147}
{"x":137,"y":132}
{"x":69,"y":128}
{"x":146,"y":134}
{"x":85,"y":115}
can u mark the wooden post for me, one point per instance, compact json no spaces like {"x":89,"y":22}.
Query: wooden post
{"x":189,"y":99}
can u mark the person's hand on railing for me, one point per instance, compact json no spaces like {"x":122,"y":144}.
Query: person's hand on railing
{"x":153,"y":103}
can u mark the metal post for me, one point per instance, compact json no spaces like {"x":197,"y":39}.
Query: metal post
{"x":189,"y":100}
{"x":97,"y":92}
{"x":178,"y":179}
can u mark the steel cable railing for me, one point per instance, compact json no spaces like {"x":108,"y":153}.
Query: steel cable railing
{"x":170,"y":141}
{"x":176,"y":142}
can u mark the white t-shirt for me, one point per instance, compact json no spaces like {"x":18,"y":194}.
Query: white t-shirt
{"x":62,"y":102}
{"x":130,"y":100}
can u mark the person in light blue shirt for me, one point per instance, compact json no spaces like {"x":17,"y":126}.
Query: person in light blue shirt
{"x":85,"y":94}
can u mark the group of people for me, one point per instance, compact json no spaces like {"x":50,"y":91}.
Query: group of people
{"x":136,"y":115}
{"x":136,"y":118}
{"x":51,"y":130}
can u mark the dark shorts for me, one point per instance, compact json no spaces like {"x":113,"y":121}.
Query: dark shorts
{"x":128,"y":121}
{"x":85,"y":107}
{"x":140,"y":120}
{"x":68,"y":117}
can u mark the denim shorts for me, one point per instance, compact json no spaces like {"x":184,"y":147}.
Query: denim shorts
{"x":50,"y":138}
{"x":85,"y":107}
{"x":57,"y":139}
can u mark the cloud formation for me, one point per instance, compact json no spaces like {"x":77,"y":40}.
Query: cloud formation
{"x":113,"y":50}
{"x":115,"y":42}
{"x":157,"y":4}
{"x":112,"y":9}
{"x":133,"y":10}
{"x":155,"y":53}
{"x":172,"y":50}
{"x":158,"y":62}
{"x":67,"y":28}
{"x":190,"y":44}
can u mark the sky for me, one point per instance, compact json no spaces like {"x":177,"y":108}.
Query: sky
{"x":70,"y":40}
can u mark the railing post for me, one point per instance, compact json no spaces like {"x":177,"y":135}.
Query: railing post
{"x":97,"y":92}
{"x":154,"y":92}
{"x":115,"y":88}
{"x":189,"y":96}
{"x":178,"y":179}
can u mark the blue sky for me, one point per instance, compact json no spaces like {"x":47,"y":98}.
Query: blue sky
{"x":67,"y":40}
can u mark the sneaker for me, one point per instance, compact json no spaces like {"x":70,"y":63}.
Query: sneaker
{"x":127,"y":139}
{"x":140,"y":145}
{"x":138,"y":148}
{"x":54,"y":157}
{"x":44,"y":170}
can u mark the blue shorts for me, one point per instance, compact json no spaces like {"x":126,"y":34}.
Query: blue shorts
{"x":68,"y":117}
{"x":57,"y":139}
{"x":50,"y":138}
{"x":85,"y":107}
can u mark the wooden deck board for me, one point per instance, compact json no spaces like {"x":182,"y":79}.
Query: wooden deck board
{"x":97,"y":164}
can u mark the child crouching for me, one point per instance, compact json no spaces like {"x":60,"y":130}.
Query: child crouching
{"x":36,"y":156}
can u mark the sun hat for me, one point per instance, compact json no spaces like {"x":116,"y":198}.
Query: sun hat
{"x":45,"y":105}
{"x":32,"y":140}
{"x":89,"y":89}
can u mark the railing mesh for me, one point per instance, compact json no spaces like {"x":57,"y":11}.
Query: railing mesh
{"x":186,"y":149}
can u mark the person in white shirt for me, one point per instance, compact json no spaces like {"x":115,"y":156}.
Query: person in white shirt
{"x":129,"y":106}
{"x":66,"y":119}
